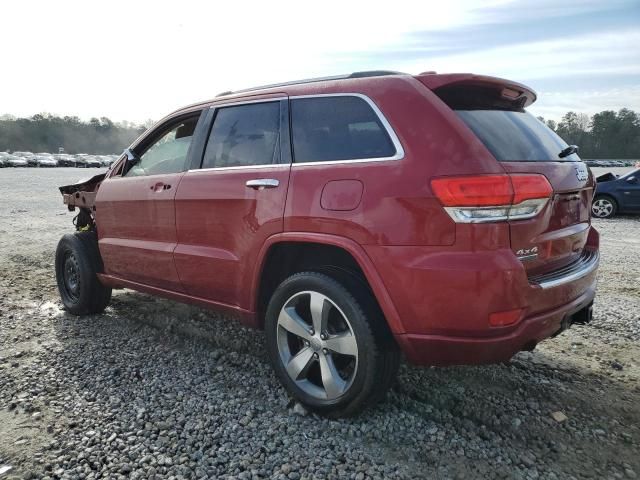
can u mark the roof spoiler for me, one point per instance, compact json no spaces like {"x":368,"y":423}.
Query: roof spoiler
{"x":509,"y":91}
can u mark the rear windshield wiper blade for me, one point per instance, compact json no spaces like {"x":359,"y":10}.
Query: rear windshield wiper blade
{"x":570,"y":150}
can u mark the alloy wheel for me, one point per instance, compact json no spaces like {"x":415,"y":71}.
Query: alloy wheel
{"x":602,"y":208}
{"x":317,"y":345}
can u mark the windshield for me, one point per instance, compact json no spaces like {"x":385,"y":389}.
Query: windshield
{"x":515,"y":136}
{"x":633,"y":173}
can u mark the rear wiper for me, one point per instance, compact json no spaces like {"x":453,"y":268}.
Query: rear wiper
{"x":570,"y":150}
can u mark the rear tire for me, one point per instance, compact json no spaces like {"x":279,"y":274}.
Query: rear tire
{"x":337,"y":361}
{"x":604,"y":206}
{"x":77,"y":263}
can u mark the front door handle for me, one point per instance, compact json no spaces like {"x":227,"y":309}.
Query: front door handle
{"x":160,"y":186}
{"x":262,"y":183}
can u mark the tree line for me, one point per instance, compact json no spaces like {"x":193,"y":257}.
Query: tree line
{"x":47,"y":133}
{"x":607,"y":134}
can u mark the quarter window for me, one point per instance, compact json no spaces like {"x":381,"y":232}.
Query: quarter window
{"x":244,"y":135}
{"x":337,"y":128}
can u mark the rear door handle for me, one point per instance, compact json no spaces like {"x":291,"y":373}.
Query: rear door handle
{"x":262,"y":183}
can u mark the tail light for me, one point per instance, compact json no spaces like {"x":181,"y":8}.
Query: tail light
{"x":492,"y":198}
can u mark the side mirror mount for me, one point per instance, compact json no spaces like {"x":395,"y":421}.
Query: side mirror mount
{"x":132,"y":157}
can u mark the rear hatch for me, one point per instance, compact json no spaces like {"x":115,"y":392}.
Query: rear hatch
{"x":494,"y":110}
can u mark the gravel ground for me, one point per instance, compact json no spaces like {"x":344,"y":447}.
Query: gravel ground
{"x":155,"y":389}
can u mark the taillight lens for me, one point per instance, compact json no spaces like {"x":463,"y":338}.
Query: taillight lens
{"x":473,"y":191}
{"x":530,"y":186}
{"x":490,"y":198}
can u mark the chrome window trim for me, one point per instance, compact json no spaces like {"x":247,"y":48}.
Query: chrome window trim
{"x":399,"y":155}
{"x":241,"y":167}
{"x":236,"y":104}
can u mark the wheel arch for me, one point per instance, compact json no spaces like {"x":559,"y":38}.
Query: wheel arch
{"x":294,"y":242}
{"x":610,"y":195}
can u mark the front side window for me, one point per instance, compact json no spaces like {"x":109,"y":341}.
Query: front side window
{"x":244,"y":135}
{"x":337,"y":128}
{"x":167,"y":154}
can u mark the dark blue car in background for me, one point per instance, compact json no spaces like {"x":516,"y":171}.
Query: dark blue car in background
{"x":616,"y":194}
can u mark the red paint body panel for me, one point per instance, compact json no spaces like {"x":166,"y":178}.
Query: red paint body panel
{"x":221,"y":225}
{"x":451,"y":350}
{"x":205,"y":241}
{"x":246,"y":317}
{"x":357,"y":252}
{"x":560,"y":230}
{"x":137,"y":229}
{"x":342,"y":195}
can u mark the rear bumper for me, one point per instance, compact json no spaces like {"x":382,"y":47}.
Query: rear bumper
{"x":446,"y":298}
{"x":583,"y":266}
{"x":454,"y":350}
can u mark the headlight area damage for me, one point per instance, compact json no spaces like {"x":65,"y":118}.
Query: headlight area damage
{"x":83,"y":196}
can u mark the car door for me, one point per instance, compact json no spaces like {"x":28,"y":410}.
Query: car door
{"x":231,"y":202}
{"x":630,"y":191}
{"x":135,"y":210}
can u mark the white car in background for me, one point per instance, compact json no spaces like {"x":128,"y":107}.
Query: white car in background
{"x":22,"y":154}
{"x":15,"y":161}
{"x":46,"y":161}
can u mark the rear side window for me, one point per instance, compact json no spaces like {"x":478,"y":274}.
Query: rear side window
{"x":244,"y":135}
{"x":337,"y":128}
{"x":515,"y":135}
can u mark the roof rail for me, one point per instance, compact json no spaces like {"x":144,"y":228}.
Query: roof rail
{"x":365,"y":74}
{"x":375,"y":73}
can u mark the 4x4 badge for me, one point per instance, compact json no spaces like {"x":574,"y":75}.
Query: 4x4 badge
{"x":527,"y":253}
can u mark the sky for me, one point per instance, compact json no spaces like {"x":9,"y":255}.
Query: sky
{"x":137,"y":60}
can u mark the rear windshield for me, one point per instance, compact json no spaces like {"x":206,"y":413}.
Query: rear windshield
{"x":515,"y":136}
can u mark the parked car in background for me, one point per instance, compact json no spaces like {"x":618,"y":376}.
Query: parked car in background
{"x":81,"y":160}
{"x":15,"y":161}
{"x":107,"y":160}
{"x":352,"y":218}
{"x":615,"y":195}
{"x":65,"y":160}
{"x":46,"y":161}
{"x":32,"y":160}
{"x":93,"y":161}
{"x":22,"y":154}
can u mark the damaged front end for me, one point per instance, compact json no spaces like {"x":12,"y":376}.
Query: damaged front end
{"x":82,"y":195}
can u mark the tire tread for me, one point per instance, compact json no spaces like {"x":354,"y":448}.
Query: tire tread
{"x":383,"y":352}
{"x":96,"y":297}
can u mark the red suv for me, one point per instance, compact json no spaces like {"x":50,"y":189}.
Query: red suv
{"x":352,"y":218}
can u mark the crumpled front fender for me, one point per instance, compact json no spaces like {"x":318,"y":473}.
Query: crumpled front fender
{"x":82,"y":194}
